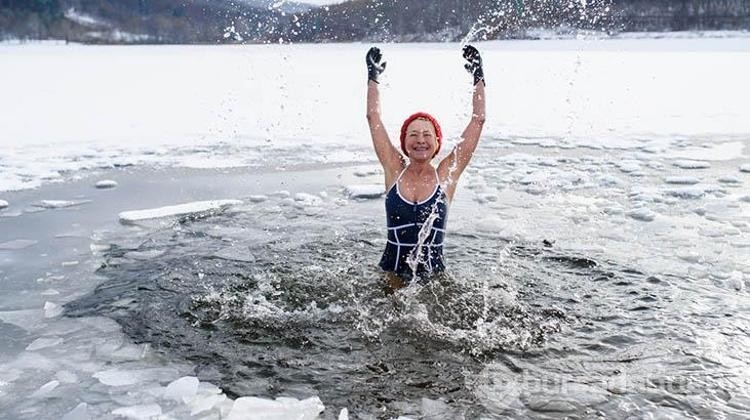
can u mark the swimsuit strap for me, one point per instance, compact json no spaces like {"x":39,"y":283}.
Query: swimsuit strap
{"x":395,"y":184}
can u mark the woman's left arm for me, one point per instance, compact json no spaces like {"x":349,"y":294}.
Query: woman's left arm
{"x":453,"y":165}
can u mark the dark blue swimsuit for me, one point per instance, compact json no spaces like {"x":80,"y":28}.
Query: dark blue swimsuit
{"x":405,"y":220}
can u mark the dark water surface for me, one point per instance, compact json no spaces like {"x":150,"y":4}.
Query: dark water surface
{"x":284,"y":299}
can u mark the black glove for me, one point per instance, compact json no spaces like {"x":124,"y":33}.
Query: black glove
{"x":374,"y":67}
{"x":474,"y":65}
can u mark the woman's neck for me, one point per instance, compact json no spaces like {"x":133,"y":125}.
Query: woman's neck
{"x":419,"y":168}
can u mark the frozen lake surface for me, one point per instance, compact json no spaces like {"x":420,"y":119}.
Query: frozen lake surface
{"x":204,"y":230}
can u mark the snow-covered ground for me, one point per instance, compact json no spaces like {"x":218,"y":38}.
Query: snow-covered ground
{"x":66,"y":108}
{"x":636,"y":150}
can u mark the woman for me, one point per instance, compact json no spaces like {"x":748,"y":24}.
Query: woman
{"x":418,"y":194}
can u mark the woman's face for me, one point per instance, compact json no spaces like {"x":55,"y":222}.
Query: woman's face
{"x":420,"y":142}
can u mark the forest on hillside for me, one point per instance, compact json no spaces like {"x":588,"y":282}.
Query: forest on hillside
{"x":258,"y":21}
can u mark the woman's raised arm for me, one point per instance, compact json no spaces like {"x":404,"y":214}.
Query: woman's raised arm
{"x":453,"y":165}
{"x":388,"y":155}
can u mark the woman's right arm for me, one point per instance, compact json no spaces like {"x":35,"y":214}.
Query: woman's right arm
{"x":387,"y":153}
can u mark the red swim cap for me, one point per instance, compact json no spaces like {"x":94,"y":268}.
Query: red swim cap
{"x":423,"y":116}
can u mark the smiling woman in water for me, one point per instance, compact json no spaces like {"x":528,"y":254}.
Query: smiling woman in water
{"x":419,"y":194}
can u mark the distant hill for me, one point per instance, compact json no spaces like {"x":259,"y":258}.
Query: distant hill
{"x":262,"y":21}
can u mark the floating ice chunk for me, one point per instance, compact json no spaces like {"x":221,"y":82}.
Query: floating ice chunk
{"x":282,"y":408}
{"x":257,"y":198}
{"x":201,"y":403}
{"x":208,"y":388}
{"x":307,"y":199}
{"x":729,"y":179}
{"x":69,"y":263}
{"x":66,"y":376}
{"x":745,"y":167}
{"x":691,"y":164}
{"x":281,"y":194}
{"x":52,"y":309}
{"x":737,"y":280}
{"x":117,"y":377}
{"x":81,"y":412}
{"x":344,"y":414}
{"x":144,"y":255}
{"x":3,"y":204}
{"x":196,"y":207}
{"x":58,"y":204}
{"x":687,"y":192}
{"x":682,"y":180}
{"x":629,"y":167}
{"x":184,"y":387}
{"x":643,"y":214}
{"x":106,"y":183}
{"x":367,"y":171}
{"x":50,"y":292}
{"x":609,"y":181}
{"x":365,"y":191}
{"x":235,"y":253}
{"x":146,"y":411}
{"x":17,"y":244}
{"x":45,"y":389}
{"x":437,"y":409}
{"x":43,"y":343}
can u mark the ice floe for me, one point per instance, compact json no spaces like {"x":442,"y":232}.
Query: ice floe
{"x":729,"y":179}
{"x":52,"y":309}
{"x":682,"y":180}
{"x":306,"y":199}
{"x":745,"y":168}
{"x":80,"y":412}
{"x":106,"y":184}
{"x":691,"y":164}
{"x":139,"y":412}
{"x":281,"y":408}
{"x":43,"y":343}
{"x":364,"y":191}
{"x":185,"y":387}
{"x":3,"y":204}
{"x":196,"y":207}
{"x":643,"y":214}
{"x":17,"y":244}
{"x":45,"y":389}
{"x":257,"y":198}
{"x":59,"y":204}
{"x":693,"y":192}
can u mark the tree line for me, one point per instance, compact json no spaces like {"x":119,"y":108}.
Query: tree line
{"x":231,"y":21}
